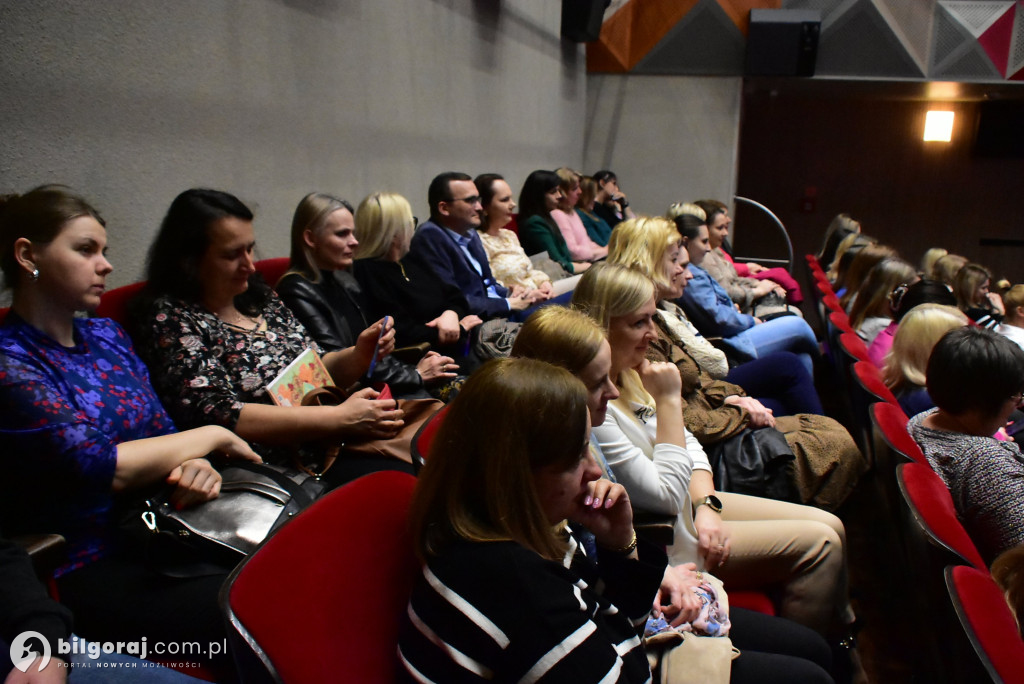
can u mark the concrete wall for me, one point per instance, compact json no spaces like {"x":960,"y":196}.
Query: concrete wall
{"x":132,"y":102}
{"x":668,"y":138}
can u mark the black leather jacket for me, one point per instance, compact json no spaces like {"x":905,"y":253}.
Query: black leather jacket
{"x":314,"y":304}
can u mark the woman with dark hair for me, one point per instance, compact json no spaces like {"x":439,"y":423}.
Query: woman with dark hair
{"x":861,"y":263}
{"x":216,"y":335}
{"x":537,"y":230}
{"x":901,"y":301}
{"x":717,"y":216}
{"x":326,"y":298}
{"x":976,"y":378}
{"x":973,"y":296}
{"x":610,"y":202}
{"x":84,"y":433}
{"x":840,"y":227}
{"x":507,"y":592}
{"x":509,"y":263}
{"x":711,"y":310}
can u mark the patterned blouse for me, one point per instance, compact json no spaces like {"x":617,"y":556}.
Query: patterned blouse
{"x":63,"y":411}
{"x":509,"y":262}
{"x":986,"y":480}
{"x":205,"y":371}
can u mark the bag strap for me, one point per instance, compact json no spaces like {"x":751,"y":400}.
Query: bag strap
{"x":329,"y":395}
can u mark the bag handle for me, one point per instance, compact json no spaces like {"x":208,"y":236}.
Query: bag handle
{"x":329,"y":395}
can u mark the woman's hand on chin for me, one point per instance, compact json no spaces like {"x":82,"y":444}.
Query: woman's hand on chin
{"x":607,"y":513}
{"x":661,"y":379}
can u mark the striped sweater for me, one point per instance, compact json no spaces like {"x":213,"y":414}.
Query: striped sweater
{"x":496,"y":611}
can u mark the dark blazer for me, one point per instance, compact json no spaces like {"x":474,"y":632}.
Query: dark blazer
{"x":434,"y":247}
{"x":321,"y":306}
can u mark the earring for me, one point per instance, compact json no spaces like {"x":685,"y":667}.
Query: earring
{"x":35,"y":274}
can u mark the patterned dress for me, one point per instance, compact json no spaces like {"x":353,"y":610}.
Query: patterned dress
{"x":205,"y":371}
{"x":63,"y":411}
{"x":509,"y":262}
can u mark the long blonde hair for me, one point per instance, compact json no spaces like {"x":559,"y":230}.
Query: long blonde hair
{"x":380,"y":218}
{"x":641,"y":243}
{"x":564,"y":337}
{"x":311,"y":214}
{"x":919,"y":331}
{"x":607,"y":291}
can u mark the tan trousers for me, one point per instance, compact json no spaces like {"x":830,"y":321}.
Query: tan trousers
{"x":798,"y":549}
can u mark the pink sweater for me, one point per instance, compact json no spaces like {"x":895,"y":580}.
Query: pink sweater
{"x":581,"y":247}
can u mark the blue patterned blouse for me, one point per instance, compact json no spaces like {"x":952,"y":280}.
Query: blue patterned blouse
{"x":63,"y":411}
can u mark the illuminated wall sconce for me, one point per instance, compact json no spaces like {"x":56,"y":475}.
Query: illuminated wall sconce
{"x":938,"y":126}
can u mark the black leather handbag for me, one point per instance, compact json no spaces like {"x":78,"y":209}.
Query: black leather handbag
{"x":212,"y":537}
{"x":755,"y":462}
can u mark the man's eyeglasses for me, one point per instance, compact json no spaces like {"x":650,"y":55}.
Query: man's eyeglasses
{"x":474,"y":199}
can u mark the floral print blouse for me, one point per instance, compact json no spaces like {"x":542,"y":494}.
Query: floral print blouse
{"x":63,"y":411}
{"x":509,"y":262}
{"x":205,"y":371}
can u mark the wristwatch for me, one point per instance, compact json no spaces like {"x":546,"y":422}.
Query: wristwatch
{"x":711,"y":501}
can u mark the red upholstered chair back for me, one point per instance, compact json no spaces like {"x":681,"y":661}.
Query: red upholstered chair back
{"x":870,"y":378}
{"x":892,"y":426}
{"x":3,"y":314}
{"x":114,"y":303}
{"x":322,"y":600}
{"x":424,"y":437}
{"x":988,"y":622}
{"x":272,"y":269}
{"x":854,"y":346}
{"x":931,"y":506}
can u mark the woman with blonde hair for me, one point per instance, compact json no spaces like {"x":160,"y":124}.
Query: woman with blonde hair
{"x":326,"y":298}
{"x":857,"y":273}
{"x":581,"y":247}
{"x":907,"y":362}
{"x":506,"y":494}
{"x":946,"y":267}
{"x":424,"y":307}
{"x":720,"y":413}
{"x":932,"y":255}
{"x":872,"y":309}
{"x":748,"y":541}
{"x":791,"y":653}
{"x":971,"y":287}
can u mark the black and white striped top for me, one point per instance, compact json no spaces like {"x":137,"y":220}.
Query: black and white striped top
{"x":495,"y":611}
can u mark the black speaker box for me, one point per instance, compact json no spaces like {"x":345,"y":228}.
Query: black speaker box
{"x":582,"y":19}
{"x":782,"y":42}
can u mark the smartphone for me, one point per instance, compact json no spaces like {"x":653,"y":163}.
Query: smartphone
{"x":376,"y":348}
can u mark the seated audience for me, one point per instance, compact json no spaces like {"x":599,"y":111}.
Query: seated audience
{"x":838,"y":230}
{"x":1013,"y":321}
{"x":719,"y":413}
{"x":581,"y":247}
{"x":976,"y":378}
{"x":850,"y":247}
{"x":597,"y":229}
{"x":326,"y":298}
{"x":905,"y":366}
{"x":745,"y":540}
{"x":537,"y":229}
{"x":946,"y":267}
{"x":78,"y":413}
{"x":719,"y":221}
{"x":711,"y":310}
{"x":215,"y":335}
{"x":610,"y":202}
{"x":510,"y":465}
{"x":1008,"y":572}
{"x":509,"y":262}
{"x":871,"y":311}
{"x":971,"y":288}
{"x":771,"y":648}
{"x":449,"y":244}
{"x":425,"y":307}
{"x":902,"y":300}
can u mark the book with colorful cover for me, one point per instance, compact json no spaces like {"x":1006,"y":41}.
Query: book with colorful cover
{"x":305,"y":373}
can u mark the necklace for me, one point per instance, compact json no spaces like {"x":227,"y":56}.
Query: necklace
{"x":402,"y":268}
{"x":245,"y":323}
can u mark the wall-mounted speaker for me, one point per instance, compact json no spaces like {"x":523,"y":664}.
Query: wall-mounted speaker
{"x":782,"y":42}
{"x":582,"y":19}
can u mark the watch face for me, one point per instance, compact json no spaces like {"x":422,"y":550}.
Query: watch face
{"x":715,"y":503}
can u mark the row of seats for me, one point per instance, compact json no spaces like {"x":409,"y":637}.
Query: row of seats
{"x":945,"y":570}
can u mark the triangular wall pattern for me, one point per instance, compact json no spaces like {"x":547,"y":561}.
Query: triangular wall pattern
{"x":861,"y":43}
{"x":911,"y":23}
{"x":977,"y":16}
{"x":706,"y":41}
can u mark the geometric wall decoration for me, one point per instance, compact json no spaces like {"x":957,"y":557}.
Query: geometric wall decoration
{"x":965,"y":40}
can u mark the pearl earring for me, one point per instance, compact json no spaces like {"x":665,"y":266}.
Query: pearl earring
{"x":35,"y":274}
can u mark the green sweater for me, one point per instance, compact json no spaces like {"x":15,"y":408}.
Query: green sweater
{"x":538,"y":234}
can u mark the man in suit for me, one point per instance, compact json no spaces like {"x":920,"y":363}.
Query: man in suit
{"x":450,"y":245}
